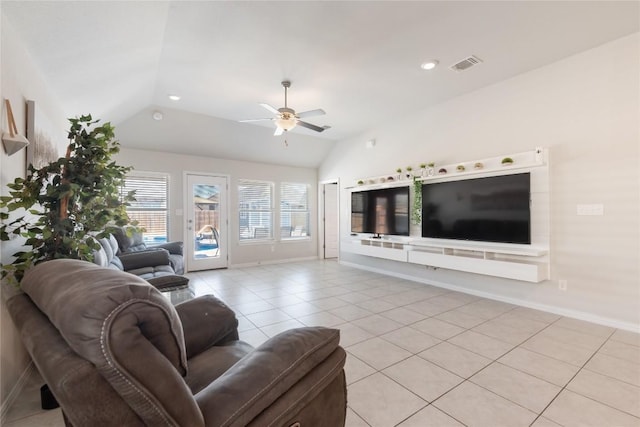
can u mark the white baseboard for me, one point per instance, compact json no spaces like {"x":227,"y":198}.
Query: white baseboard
{"x":272,"y":262}
{"x":15,"y":392}
{"x":562,"y":311}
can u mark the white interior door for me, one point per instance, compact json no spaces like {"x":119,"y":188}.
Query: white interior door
{"x":331,"y":220}
{"x":206,"y":222}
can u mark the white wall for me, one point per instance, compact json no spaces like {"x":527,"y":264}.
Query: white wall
{"x":21,"y":81}
{"x":239,"y":254}
{"x":585,"y":109}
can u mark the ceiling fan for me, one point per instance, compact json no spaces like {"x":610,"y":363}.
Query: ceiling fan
{"x":286,"y":118}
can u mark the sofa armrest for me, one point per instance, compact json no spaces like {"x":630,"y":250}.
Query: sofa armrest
{"x":264,"y":375}
{"x":206,"y":321}
{"x":151,"y":258}
{"x":175,"y":248}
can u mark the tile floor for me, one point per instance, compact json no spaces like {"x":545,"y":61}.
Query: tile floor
{"x":425,"y":356}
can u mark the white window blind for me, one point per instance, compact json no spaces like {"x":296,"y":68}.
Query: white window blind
{"x":255,"y":210}
{"x":294,"y":211}
{"x":150,"y":208}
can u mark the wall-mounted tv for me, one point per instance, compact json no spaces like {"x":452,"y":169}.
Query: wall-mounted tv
{"x":383,"y":211}
{"x":491,"y":209}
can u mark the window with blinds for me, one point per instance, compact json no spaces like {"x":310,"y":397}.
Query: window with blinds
{"x":294,"y":211}
{"x":150,"y":208}
{"x":255,"y":210}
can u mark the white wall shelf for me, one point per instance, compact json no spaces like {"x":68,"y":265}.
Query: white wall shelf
{"x":379,"y":248}
{"x":490,"y":166}
{"x":527,"y":264}
{"x":518,"y":262}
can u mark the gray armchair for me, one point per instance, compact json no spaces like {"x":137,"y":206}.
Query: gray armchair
{"x":115,"y":352}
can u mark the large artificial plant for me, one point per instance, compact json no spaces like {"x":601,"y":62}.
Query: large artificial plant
{"x":61,"y":208}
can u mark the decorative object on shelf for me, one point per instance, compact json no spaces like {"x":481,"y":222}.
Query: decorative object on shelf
{"x":423,"y":169}
{"x":383,"y":179}
{"x":507,"y":161}
{"x":460,"y":168}
{"x":431,"y":168}
{"x":360,"y":182}
{"x":416,"y":211}
{"x":442,"y":171}
{"x":409,"y":172}
{"x":399,"y":170}
{"x":478,"y":165}
{"x":372,"y":181}
{"x":12,"y":140}
{"x":390,"y":178}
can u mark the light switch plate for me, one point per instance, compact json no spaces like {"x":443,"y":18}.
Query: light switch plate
{"x":592,"y":209}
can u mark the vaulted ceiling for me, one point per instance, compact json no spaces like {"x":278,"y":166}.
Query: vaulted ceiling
{"x":359,"y":61}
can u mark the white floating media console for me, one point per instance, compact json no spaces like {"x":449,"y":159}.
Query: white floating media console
{"x":513,"y":261}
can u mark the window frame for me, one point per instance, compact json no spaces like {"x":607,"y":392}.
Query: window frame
{"x":252,"y":228}
{"x":151,"y":176}
{"x":307,"y":211}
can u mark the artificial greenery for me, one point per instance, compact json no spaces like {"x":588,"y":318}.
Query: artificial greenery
{"x":64,"y":206}
{"x":507,"y":161}
{"x":416,"y":212}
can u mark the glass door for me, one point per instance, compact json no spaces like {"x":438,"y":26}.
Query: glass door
{"x":206,"y":222}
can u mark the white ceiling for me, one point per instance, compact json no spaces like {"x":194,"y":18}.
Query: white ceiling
{"x":359,"y":61}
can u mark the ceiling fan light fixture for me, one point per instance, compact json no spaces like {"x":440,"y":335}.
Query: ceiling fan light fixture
{"x":286,"y":123}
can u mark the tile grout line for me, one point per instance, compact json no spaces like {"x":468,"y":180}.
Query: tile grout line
{"x":564,"y":387}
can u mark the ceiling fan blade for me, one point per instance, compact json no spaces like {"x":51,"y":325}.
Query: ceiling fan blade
{"x":270,"y":108}
{"x":253,"y":120}
{"x":311,"y":113}
{"x":312,"y":127}
{"x":279,"y":131}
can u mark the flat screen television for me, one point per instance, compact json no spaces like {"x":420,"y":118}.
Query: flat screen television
{"x":492,"y":209}
{"x":383,"y":211}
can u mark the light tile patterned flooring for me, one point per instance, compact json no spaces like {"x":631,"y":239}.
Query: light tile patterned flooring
{"x":425,"y":356}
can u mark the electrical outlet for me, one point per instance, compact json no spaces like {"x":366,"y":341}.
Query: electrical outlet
{"x":562,"y":285}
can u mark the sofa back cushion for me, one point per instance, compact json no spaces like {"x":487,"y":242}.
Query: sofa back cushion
{"x":107,"y":255}
{"x":126,"y":328}
{"x":129,"y":240}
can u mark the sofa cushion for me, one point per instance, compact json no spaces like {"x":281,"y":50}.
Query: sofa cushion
{"x":106,"y":256}
{"x":126,"y":328}
{"x":129,"y":240}
{"x":147,"y":273}
{"x":135,"y":260}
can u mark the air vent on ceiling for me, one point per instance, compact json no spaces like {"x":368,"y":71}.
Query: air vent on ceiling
{"x":465,"y":64}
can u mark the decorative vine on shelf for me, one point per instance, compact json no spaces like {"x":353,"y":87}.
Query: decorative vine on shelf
{"x":416,"y":211}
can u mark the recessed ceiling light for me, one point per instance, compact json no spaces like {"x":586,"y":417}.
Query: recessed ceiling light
{"x":174,"y":97}
{"x":157,"y":115}
{"x":429,"y":65}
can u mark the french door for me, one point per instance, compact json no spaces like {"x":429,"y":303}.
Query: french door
{"x":206,"y":225}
